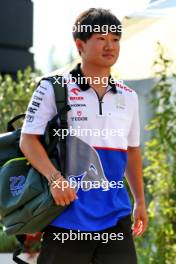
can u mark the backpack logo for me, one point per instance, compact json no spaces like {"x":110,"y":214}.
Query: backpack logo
{"x":17,"y":184}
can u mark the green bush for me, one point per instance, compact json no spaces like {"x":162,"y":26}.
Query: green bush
{"x":14,"y":95}
{"x":158,"y":245}
{"x":7,"y":243}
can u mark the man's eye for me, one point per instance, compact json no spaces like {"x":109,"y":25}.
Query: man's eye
{"x":100,"y":38}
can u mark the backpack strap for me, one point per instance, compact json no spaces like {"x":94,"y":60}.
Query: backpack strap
{"x":19,"y":250}
{"x":60,"y":91}
{"x":61,"y":95}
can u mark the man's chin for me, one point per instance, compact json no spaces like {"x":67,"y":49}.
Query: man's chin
{"x":107,"y":64}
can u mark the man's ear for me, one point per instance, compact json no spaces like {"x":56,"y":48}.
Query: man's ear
{"x":80,"y":45}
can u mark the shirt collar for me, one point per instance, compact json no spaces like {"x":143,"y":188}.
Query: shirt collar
{"x":77,"y":74}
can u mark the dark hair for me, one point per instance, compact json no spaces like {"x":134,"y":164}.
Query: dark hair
{"x":95,"y":18}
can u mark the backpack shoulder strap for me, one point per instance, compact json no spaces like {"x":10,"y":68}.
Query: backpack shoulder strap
{"x":60,"y":91}
{"x":21,"y":239}
{"x":61,"y":95}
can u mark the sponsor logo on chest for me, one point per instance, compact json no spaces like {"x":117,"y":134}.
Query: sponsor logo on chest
{"x":79,"y":117}
{"x":74,"y":94}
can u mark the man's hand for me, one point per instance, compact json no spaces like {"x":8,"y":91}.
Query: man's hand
{"x":62,"y":193}
{"x":140,"y":219}
{"x":34,"y":151}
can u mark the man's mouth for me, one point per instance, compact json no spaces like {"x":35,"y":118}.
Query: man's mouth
{"x":108,"y":55}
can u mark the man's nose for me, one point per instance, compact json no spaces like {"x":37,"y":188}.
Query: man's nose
{"x":109,"y":44}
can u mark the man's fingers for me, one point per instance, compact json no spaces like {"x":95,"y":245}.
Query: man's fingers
{"x":67,"y":201}
{"x":67,"y":198}
{"x":136,"y":223}
{"x":61,"y":202}
{"x":145,"y":223}
{"x":137,"y":226}
{"x":71,"y":195}
{"x":140,"y":228}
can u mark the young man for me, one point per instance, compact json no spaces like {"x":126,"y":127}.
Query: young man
{"x":103,"y":211}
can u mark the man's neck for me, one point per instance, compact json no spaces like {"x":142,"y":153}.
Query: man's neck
{"x":96,"y":72}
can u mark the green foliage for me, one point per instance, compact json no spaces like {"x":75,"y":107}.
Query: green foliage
{"x":14,"y":96}
{"x":7,"y":243}
{"x":160,"y":152}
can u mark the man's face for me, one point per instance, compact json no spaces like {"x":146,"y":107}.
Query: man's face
{"x":101,"y":50}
